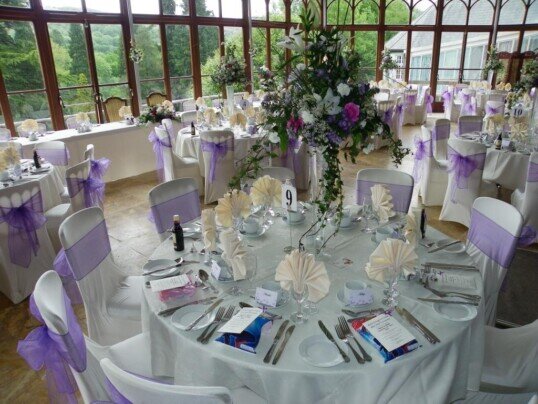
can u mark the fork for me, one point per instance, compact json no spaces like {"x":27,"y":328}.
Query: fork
{"x":475,"y":298}
{"x":227,"y":316}
{"x":218,"y":318}
{"x":342,"y":335}
{"x":347,"y":331}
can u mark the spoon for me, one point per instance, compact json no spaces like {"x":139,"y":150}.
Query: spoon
{"x":204,"y":277}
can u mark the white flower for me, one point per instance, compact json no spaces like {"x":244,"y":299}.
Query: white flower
{"x":83,"y":117}
{"x":301,"y":66}
{"x":343,"y":89}
{"x":273,"y":137}
{"x":294,"y":41}
{"x":368,"y":148}
{"x":307,"y":117}
{"x":29,"y":125}
{"x":329,"y":103}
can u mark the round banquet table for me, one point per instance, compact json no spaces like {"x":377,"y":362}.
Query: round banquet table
{"x":431,"y":374}
{"x":51,"y":185}
{"x":189,"y":146}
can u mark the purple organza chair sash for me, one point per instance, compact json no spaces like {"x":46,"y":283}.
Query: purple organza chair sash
{"x":94,"y":190}
{"x":532,"y":174}
{"x":387,"y":116}
{"x":218,"y":151}
{"x":440,"y":132}
{"x":398,"y":114}
{"x":88,"y":252}
{"x":293,"y":164}
{"x":115,"y":396}
{"x":56,"y":157}
{"x":468,"y":107}
{"x":490,"y":111}
{"x":528,"y":236}
{"x":410,"y":100}
{"x":99,"y":167}
{"x":423,"y":149}
{"x":428,"y":102}
{"x":469,"y":127}
{"x":187,"y":206}
{"x":462,"y":167}
{"x":158,"y":145}
{"x":62,"y":268}
{"x":490,"y":238}
{"x":23,"y":223}
{"x":401,"y":194}
{"x":447,"y":99}
{"x":43,"y":347}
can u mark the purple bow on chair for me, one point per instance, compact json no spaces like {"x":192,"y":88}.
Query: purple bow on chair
{"x":158,"y":145}
{"x":23,"y":222}
{"x":428,"y":102}
{"x":423,"y":148}
{"x":447,"y":99}
{"x":490,"y":111}
{"x":468,"y":107}
{"x":94,"y":190}
{"x":410,"y":100}
{"x":43,"y":347}
{"x":62,"y":268}
{"x":99,"y":167}
{"x":218,"y":151}
{"x":462,"y":167}
{"x":398,"y":114}
{"x":387,"y":116}
{"x":527,"y":237}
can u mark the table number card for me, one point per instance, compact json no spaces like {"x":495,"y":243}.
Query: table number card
{"x":266,"y":297}
{"x":289,"y":197}
{"x":389,"y":332}
{"x":241,"y":320}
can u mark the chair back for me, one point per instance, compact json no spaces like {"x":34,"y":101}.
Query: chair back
{"x":279,"y":173}
{"x":494,"y":108}
{"x":468,"y":102}
{"x":426,"y":102}
{"x":400,"y":185}
{"x":218,"y":153}
{"x":492,"y":242}
{"x":177,"y":197}
{"x":530,"y":202}
{"x":89,"y":153}
{"x":54,"y":151}
{"x":497,"y":96}
{"x":83,"y":191}
{"x":5,"y":134}
{"x":187,"y":117}
{"x":166,"y":153}
{"x":381,"y":96}
{"x":409,"y":106}
{"x":469,"y":124}
{"x":155,"y":98}
{"x":188,"y":105}
{"x":127,"y":387}
{"x":440,"y":135}
{"x":112,"y":108}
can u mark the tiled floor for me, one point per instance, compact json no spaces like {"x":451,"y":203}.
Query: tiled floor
{"x":133,"y":238}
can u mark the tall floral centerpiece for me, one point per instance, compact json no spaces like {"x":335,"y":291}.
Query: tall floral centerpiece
{"x":493,"y":63}
{"x":157,"y":113}
{"x":318,"y":98}
{"x":387,"y":63}
{"x":229,"y":72}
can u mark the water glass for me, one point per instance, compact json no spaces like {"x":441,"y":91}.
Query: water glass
{"x":299,"y":317}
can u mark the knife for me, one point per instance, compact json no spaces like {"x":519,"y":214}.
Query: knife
{"x":162,"y":269}
{"x":205,"y":313}
{"x":283,"y":326}
{"x":443,"y":246}
{"x":289,"y":331}
{"x":331,"y":338}
{"x":425,"y":299}
{"x":171,"y":310}
{"x":442,"y":265}
{"x":418,"y":325}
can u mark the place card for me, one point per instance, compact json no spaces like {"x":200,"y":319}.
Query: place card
{"x":173,"y":282}
{"x":455,"y":281}
{"x":359,"y":297}
{"x":241,"y":320}
{"x":266,"y":297}
{"x":389,"y":332}
{"x":215,"y":269}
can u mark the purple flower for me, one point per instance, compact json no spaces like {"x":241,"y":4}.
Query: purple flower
{"x":333,"y":138}
{"x":352,"y":112}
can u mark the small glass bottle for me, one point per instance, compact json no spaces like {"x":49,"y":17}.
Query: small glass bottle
{"x":177,"y":230}
{"x":193,"y":129}
{"x":36,"y":160}
{"x":499,"y":142}
{"x":423,"y":222}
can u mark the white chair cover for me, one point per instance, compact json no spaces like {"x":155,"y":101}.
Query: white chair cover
{"x":386,"y":110}
{"x":177,"y":197}
{"x":280,"y":173}
{"x":440,"y":136}
{"x":465,"y":166}
{"x":16,"y":281}
{"x":494,"y":230}
{"x":398,"y":118}
{"x":494,"y":108}
{"x":111,"y":299}
{"x":468,"y":102}
{"x":409,"y":105}
{"x":56,"y":153}
{"x":432,"y":178}
{"x":423,"y":107}
{"x":469,"y":124}
{"x":89,"y":153}
{"x":295,"y":159}
{"x":382,"y":96}
{"x":526,"y":201}
{"x":188,"y":117}
{"x":218,"y":149}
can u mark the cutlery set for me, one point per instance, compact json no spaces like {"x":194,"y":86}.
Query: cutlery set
{"x":221,"y":317}
{"x":278,"y":336}
{"x":430,"y":336}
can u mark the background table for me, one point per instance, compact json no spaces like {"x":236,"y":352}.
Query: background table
{"x":432,"y":374}
{"x":509,"y":169}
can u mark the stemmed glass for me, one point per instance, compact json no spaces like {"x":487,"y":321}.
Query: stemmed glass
{"x":368,"y":214}
{"x":391,"y":293}
{"x":299,"y":317}
{"x":251,"y":264}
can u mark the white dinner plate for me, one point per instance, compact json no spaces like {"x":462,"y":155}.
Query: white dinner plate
{"x":453,"y":249}
{"x":318,"y":351}
{"x":340,"y":296}
{"x":183,"y":317}
{"x":160,"y":263}
{"x":456,"y":312}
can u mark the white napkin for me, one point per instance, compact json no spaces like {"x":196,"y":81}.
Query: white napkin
{"x":233,"y":253}
{"x":239,"y":119}
{"x":266,"y":191}
{"x":233,"y":204}
{"x":210,"y":116}
{"x":209,"y":230}
{"x":411,"y":230}
{"x":391,"y":255}
{"x":381,"y":202}
{"x":300,"y":270}
{"x":29,"y":125}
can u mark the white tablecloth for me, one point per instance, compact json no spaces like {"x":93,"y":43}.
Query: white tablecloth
{"x":432,"y":374}
{"x":509,"y":169}
{"x":51,"y":186}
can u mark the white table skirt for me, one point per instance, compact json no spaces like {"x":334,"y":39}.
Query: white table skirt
{"x":126,"y":146}
{"x":432,"y":374}
{"x":51,"y":186}
{"x":509,"y":169}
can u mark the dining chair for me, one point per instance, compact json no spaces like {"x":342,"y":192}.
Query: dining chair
{"x":491,"y":243}
{"x":51,"y":306}
{"x":188,"y":105}
{"x":400,"y":185}
{"x":111,"y":298}
{"x":440,"y":135}
{"x":430,"y":175}
{"x":25,"y":253}
{"x":409,"y":107}
{"x":385,"y":109}
{"x":112,"y":108}
{"x":56,"y":153}
{"x":526,"y":200}
{"x":398,"y":117}
{"x":469,"y":124}
{"x":176,"y":197}
{"x":127,"y":387}
{"x":188,"y":117}
{"x":98,"y":167}
{"x":296,"y":159}
{"x":424,"y":107}
{"x":217,"y":147}
{"x":280,"y":173}
{"x":71,"y":123}
{"x":494,"y":108}
{"x":381,"y":96}
{"x":155,"y":98}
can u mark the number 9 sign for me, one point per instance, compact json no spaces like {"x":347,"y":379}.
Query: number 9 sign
{"x":289,"y":197}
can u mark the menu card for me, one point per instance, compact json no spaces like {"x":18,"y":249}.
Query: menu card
{"x":451,"y":281}
{"x":179,"y":281}
{"x":241,"y":320}
{"x":388,"y":331}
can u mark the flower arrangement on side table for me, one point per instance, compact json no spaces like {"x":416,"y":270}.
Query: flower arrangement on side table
{"x":387,"y":62}
{"x":493,"y":64}
{"x":157,"y":113}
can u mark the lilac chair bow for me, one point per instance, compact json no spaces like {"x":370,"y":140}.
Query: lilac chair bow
{"x":43,"y":347}
{"x":158,"y":145}
{"x":462,"y":167}
{"x":410,"y":100}
{"x":428,"y":102}
{"x":447,"y":99}
{"x":423,"y":148}
{"x":398,"y":115}
{"x":468,"y":107}
{"x":490,"y":111}
{"x":527,"y":237}
{"x":99,"y":167}
{"x":115,"y":396}
{"x":62,"y":268}
{"x":218,"y":151}
{"x":56,"y":157}
{"x":387,"y":116}
{"x":187,"y":206}
{"x":23,"y":222}
{"x":94,"y":190}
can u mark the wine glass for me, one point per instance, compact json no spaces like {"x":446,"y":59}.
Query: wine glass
{"x":299,"y":317}
{"x":368,"y":215}
{"x":391,"y":293}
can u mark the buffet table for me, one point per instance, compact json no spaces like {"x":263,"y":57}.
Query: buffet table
{"x":431,"y":374}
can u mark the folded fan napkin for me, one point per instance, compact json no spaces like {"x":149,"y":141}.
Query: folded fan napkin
{"x":391,"y":255}
{"x":238,"y":119}
{"x":250,"y":337}
{"x":266,"y":191}
{"x":210,"y":116}
{"x":233,"y":253}
{"x":209,"y":229}
{"x":381,"y":202}
{"x":411,"y":230}
{"x":250,"y":112}
{"x":300,"y":270}
{"x":232,"y":205}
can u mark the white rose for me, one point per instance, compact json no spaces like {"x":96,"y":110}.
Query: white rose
{"x":307,"y":117}
{"x":343,"y":89}
{"x":273,"y":137}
